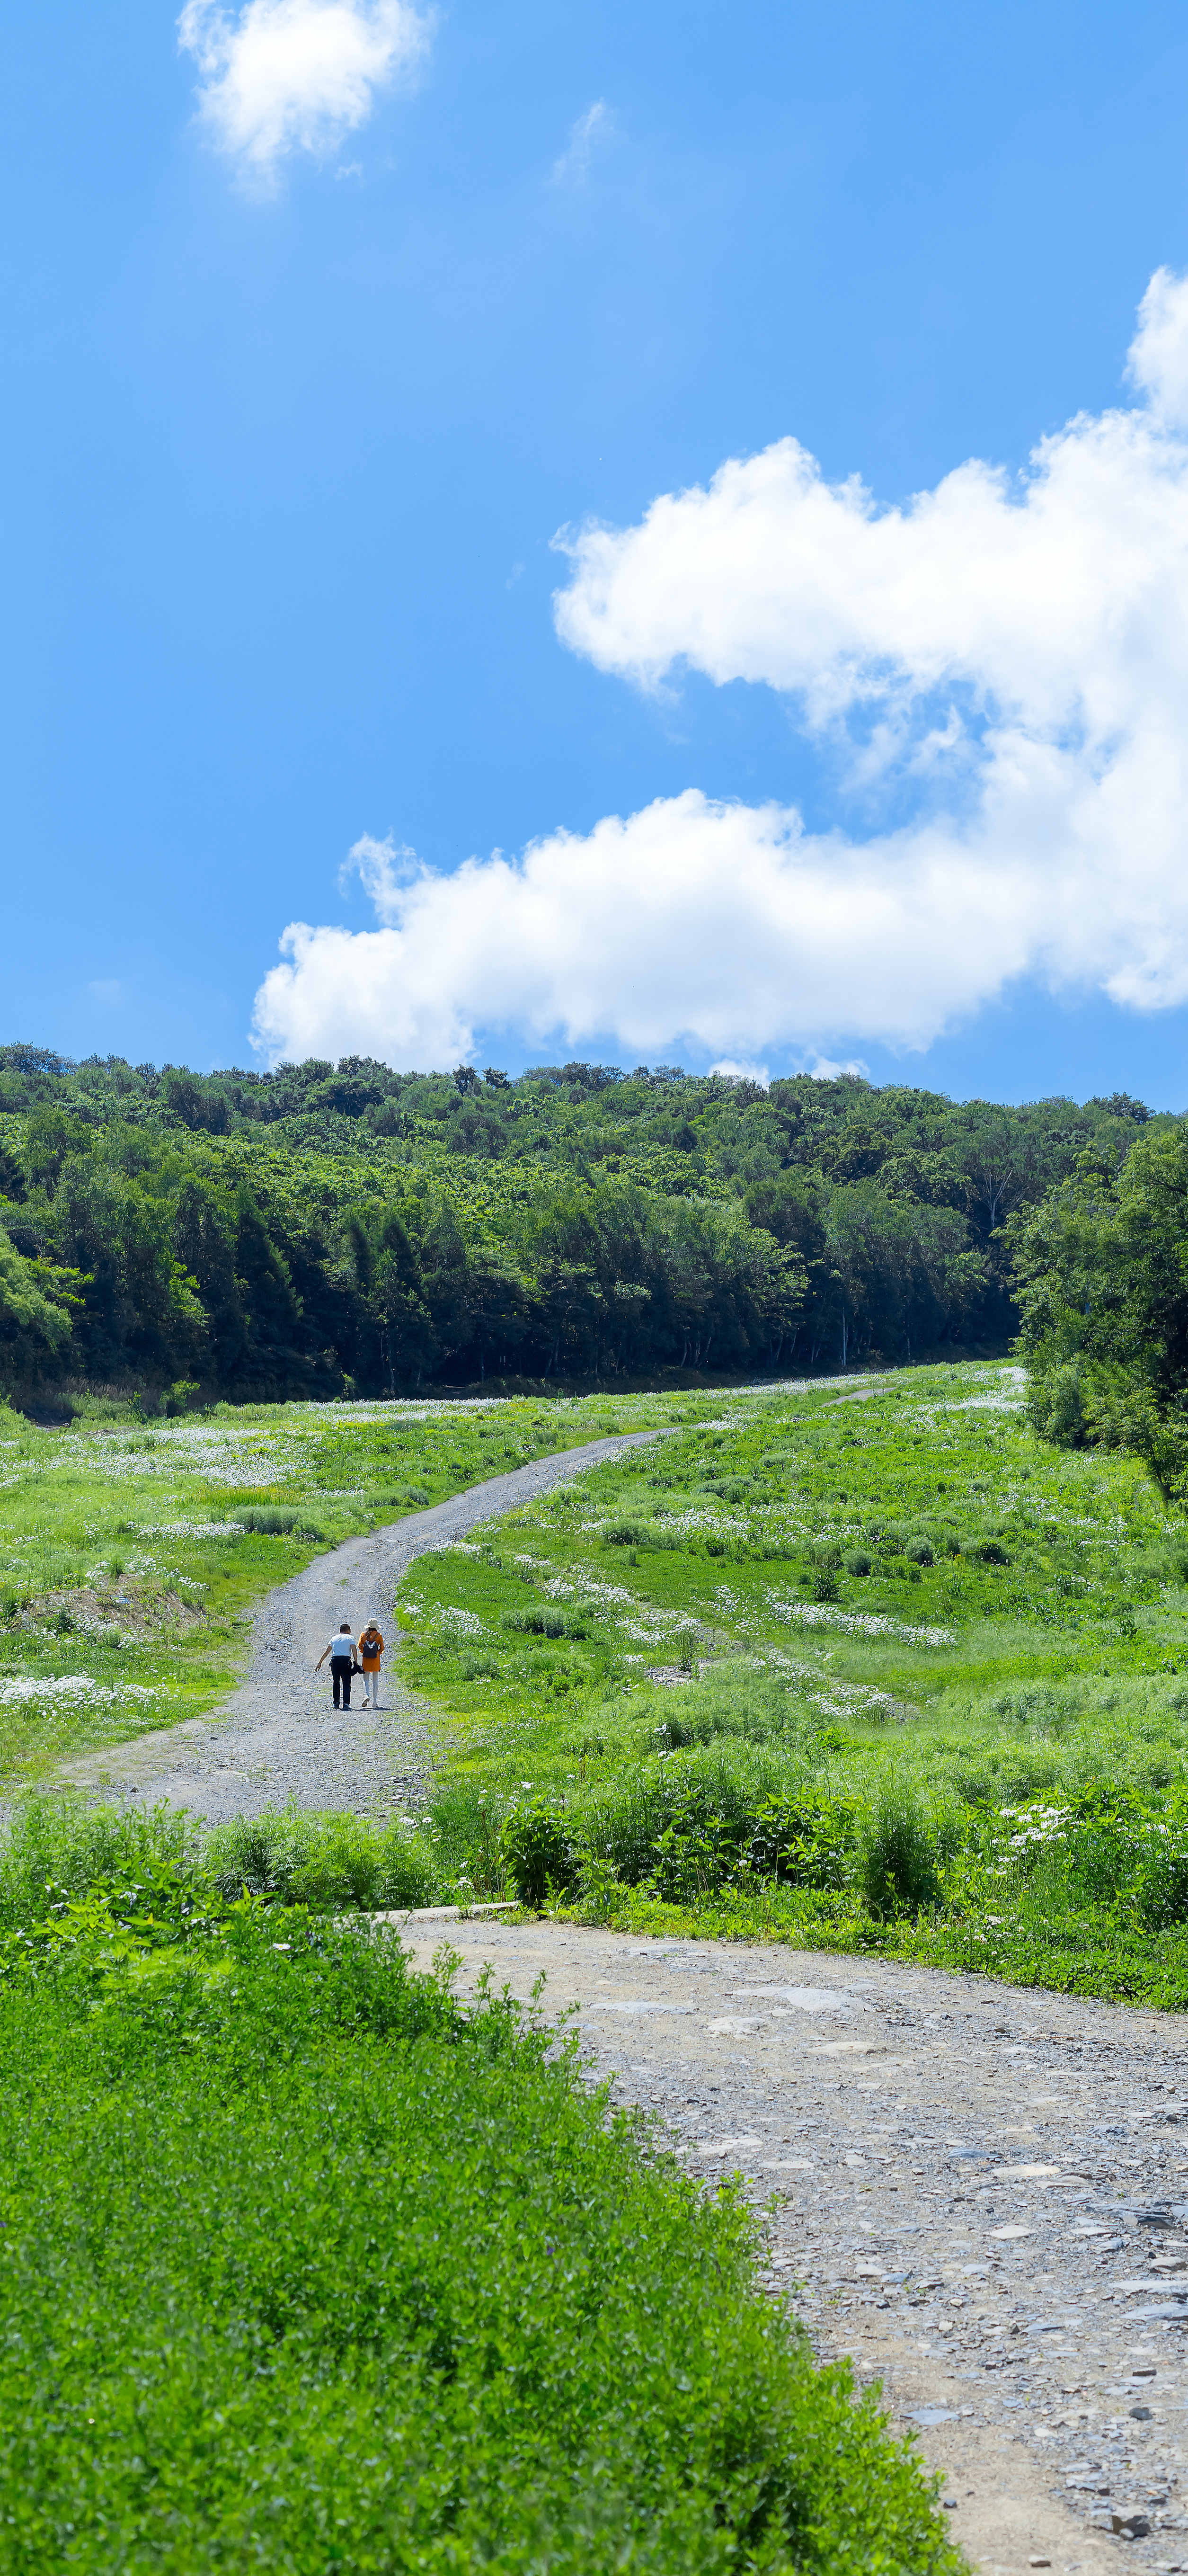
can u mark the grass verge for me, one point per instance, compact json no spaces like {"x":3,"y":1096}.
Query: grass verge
{"x":309,"y":2267}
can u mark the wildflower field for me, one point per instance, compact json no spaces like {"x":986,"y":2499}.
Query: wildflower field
{"x":867,"y":1665}
{"x":864,"y":1663}
{"x":131,"y":1548}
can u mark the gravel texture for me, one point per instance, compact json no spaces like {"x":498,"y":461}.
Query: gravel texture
{"x":1025,"y":2320}
{"x":279,"y":1737}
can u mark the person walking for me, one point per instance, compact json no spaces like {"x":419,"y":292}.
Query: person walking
{"x":371,"y":1647}
{"x":341,"y":1651}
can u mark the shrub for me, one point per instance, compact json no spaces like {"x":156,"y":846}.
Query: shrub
{"x":919,"y":1551}
{"x":53,"y":1840}
{"x":539,"y":1622}
{"x":706,"y":1792}
{"x":857,"y":1561}
{"x":753,"y":1706}
{"x":804,"y":1841}
{"x":324,"y":1861}
{"x":538,"y":1850}
{"x":899,"y":1862}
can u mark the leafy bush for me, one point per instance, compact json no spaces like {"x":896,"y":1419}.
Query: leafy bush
{"x":52,"y":1841}
{"x":919,"y":1551}
{"x":546,"y":1623}
{"x":267,"y":1519}
{"x":899,"y":1858}
{"x":321,"y":1860}
{"x":730,"y":1701}
{"x":706,"y":1797}
{"x":804,"y":1841}
{"x":539,"y":1852}
{"x":479,"y":1664}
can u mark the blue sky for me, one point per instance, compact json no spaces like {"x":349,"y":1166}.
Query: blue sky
{"x":286,"y":442}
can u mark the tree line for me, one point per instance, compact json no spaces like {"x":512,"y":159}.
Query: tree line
{"x":344,"y":1227}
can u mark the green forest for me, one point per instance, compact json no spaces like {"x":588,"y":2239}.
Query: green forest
{"x":342,"y":1229}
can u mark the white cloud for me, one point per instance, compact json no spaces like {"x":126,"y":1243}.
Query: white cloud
{"x":736,"y":1072}
{"x":708,"y":925}
{"x":279,"y":76}
{"x":590,"y":129}
{"x":1010,"y":658}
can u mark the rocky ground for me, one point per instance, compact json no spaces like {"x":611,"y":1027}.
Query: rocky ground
{"x":981,"y":2194}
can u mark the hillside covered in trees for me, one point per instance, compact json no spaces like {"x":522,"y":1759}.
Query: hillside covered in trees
{"x":335,"y":1228}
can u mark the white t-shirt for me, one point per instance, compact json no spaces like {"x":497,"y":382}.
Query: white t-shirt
{"x":342,"y":1646}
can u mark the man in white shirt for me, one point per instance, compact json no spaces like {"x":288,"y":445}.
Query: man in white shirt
{"x":341,"y":1651}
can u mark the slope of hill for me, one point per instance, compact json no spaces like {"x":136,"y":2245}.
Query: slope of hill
{"x":328,"y":1229}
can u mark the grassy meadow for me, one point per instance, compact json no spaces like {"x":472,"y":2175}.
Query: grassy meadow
{"x":861,"y":1665}
{"x":130,"y":1549}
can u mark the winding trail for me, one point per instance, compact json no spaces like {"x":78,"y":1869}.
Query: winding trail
{"x":278,"y":1737}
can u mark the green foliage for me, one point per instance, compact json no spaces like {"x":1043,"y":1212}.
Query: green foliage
{"x":324,"y":1861}
{"x":307,"y":2266}
{"x":51,"y":1843}
{"x":1103,"y":1288}
{"x":542,"y":1622}
{"x":322,"y":1228}
{"x":538,"y":1852}
{"x":899,"y":1860}
{"x":36,"y":1298}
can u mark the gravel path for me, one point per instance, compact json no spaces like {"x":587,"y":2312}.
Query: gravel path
{"x":982,"y":2196}
{"x":279,"y":1736}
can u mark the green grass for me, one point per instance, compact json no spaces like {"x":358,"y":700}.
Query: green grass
{"x":128,"y":1558}
{"x":909,"y":1618}
{"x":903,"y":1607}
{"x":307,"y":2268}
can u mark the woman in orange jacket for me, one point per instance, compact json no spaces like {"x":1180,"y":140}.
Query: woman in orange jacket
{"x":371,"y":1647}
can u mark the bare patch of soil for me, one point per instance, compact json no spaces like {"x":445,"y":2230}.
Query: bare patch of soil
{"x":129,"y":1609}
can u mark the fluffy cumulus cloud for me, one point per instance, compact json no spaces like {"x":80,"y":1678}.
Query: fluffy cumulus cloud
{"x":1004,"y":662}
{"x":279,"y":76}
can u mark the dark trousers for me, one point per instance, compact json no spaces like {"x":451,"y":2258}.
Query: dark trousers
{"x":340,"y":1675}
